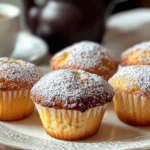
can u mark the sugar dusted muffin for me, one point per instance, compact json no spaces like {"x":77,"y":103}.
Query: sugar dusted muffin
{"x":71,"y":103}
{"x":131,"y":85}
{"x":137,"y":55}
{"x":87,"y":56}
{"x":16,"y":79}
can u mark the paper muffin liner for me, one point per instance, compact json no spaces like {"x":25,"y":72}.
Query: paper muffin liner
{"x":71,"y":124}
{"x":15,"y":105}
{"x":132,"y":108}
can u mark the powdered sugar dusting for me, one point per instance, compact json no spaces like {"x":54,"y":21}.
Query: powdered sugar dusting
{"x":138,"y":75}
{"x":14,"y":74}
{"x":72,"y":89}
{"x":144,"y":52}
{"x":87,"y":55}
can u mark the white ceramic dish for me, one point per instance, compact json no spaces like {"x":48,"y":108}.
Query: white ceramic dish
{"x":30,"y":48}
{"x":113,"y":134}
{"x":9,"y":28}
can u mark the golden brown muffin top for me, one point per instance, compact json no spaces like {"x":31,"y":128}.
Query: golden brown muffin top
{"x":132,"y":79}
{"x":85,"y":55}
{"x":71,"y":89}
{"x":17,"y":74}
{"x":137,"y":55}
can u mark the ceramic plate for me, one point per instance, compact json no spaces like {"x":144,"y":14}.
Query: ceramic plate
{"x":113,"y":134}
{"x":30,"y":48}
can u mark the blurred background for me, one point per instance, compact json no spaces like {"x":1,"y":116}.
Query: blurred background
{"x":122,"y":6}
{"x":117,"y":24}
{"x":130,"y":4}
{"x":126,"y":5}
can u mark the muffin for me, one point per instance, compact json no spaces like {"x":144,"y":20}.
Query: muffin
{"x":71,"y":103}
{"x":87,"y":56}
{"x":16,"y":80}
{"x":131,"y":85}
{"x":137,"y":55}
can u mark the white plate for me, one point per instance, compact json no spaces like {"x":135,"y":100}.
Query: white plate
{"x":113,"y":134}
{"x":30,"y":48}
